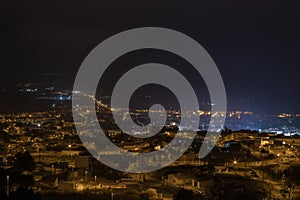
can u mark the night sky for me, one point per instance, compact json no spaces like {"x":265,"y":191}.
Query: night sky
{"x":255,"y":43}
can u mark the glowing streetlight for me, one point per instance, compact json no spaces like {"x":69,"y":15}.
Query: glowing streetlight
{"x":86,"y":174}
{"x":235,"y":162}
{"x":7,"y":179}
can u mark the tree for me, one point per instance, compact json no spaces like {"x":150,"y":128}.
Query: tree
{"x":293,"y":175}
{"x":25,"y":180}
{"x":235,"y":147}
{"x":23,"y":193}
{"x":24,"y":162}
{"x":184,"y":194}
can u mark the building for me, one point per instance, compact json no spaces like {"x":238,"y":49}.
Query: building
{"x":66,"y":186}
{"x":261,"y":141}
{"x":232,"y":145}
{"x":203,"y":182}
{"x":83,"y":162}
{"x":48,"y":182}
{"x":179,"y":179}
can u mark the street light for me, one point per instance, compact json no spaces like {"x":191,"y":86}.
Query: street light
{"x":7,"y":189}
{"x":86,"y":174}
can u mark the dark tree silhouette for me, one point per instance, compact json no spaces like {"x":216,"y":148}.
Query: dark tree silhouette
{"x":184,"y":194}
{"x":23,"y":193}
{"x":24,"y":162}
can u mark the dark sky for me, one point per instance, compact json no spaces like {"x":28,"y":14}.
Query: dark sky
{"x":255,"y":43}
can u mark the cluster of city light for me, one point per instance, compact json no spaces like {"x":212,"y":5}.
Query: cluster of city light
{"x":239,"y":113}
{"x":284,"y":115}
